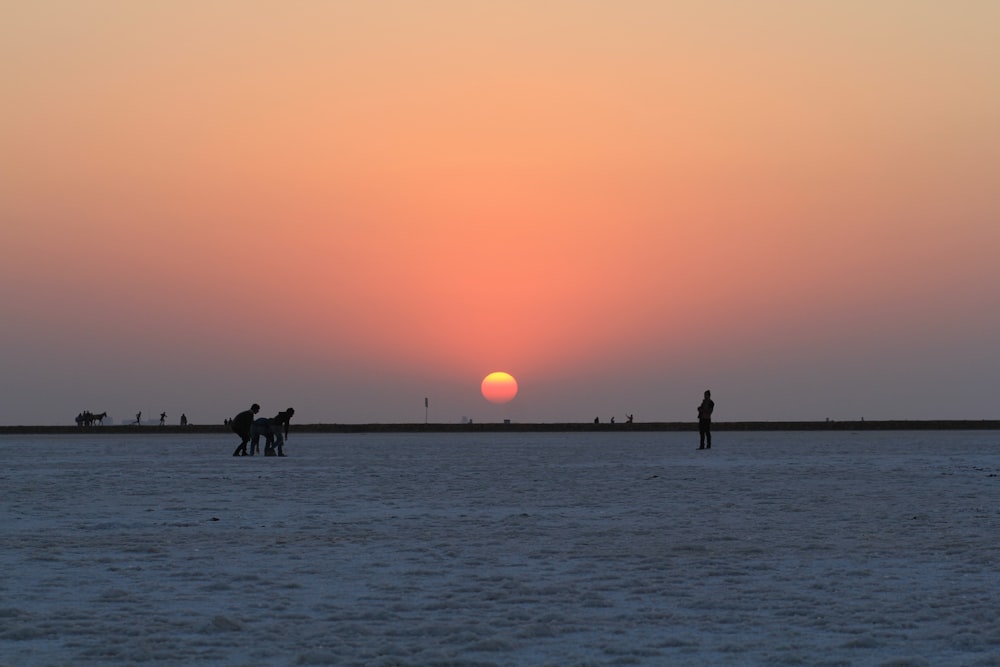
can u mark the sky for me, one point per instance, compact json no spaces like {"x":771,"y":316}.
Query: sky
{"x":348,"y":207}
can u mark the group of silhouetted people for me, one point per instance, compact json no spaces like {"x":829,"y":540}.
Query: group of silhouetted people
{"x":705,"y":409}
{"x":628,"y":419}
{"x":250,"y":428}
{"x":163,"y":419}
{"x":88,"y":418}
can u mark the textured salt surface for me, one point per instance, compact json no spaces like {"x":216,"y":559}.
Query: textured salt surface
{"x":494,"y":549}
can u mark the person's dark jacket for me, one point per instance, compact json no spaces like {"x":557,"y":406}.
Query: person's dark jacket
{"x":241,"y":422}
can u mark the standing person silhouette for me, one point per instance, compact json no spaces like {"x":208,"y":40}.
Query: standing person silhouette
{"x":138,"y":418}
{"x":705,"y":421}
{"x":241,"y":427}
{"x":163,"y":418}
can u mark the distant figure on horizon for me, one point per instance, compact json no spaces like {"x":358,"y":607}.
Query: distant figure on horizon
{"x":705,"y":421}
{"x":612,"y":419}
{"x":138,"y":418}
{"x":597,"y":420}
{"x":628,"y":418}
{"x":163,"y":418}
{"x":241,"y":426}
{"x":184,"y":419}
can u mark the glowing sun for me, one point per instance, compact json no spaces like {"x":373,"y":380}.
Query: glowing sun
{"x":499,"y":387}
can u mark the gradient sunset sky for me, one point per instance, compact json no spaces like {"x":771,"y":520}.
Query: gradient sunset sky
{"x":346,"y":207}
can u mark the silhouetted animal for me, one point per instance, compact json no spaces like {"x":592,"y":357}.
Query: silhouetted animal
{"x":87,"y":418}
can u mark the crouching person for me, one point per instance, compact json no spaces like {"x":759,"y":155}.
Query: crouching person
{"x":279,"y":427}
{"x":261,"y":427}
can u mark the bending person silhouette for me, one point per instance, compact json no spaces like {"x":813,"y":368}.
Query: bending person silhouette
{"x":261,"y":427}
{"x":705,"y":421}
{"x":279,"y":424}
{"x":241,"y":426}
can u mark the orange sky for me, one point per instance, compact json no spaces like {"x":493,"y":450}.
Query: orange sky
{"x":347,"y":207}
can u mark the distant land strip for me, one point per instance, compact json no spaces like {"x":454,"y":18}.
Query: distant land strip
{"x":528,"y":427}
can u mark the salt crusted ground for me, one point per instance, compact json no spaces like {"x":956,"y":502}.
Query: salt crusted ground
{"x":502,"y":549}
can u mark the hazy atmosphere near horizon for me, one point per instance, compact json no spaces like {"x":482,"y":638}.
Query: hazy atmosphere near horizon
{"x":349,"y":207}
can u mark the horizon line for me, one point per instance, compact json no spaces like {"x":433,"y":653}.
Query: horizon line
{"x":511,"y":426}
